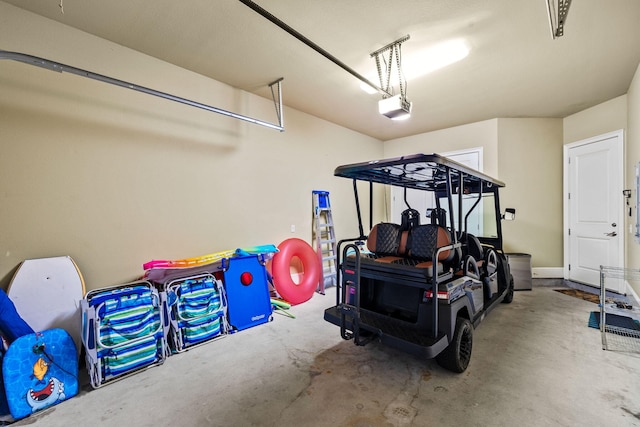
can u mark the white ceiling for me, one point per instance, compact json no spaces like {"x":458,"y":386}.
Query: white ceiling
{"x":514,"y":68}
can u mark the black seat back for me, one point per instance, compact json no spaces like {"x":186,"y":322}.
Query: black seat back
{"x":425,"y":239}
{"x":438,"y":216}
{"x":472,"y":246}
{"x":384,"y":239}
{"x":410,"y":218}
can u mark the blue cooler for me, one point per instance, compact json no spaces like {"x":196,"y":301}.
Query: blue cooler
{"x":245,"y":280}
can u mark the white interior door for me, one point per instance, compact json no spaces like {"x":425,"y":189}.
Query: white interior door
{"x":424,"y":200}
{"x":593,"y":210}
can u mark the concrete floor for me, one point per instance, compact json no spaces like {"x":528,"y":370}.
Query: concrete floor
{"x":535,"y":363}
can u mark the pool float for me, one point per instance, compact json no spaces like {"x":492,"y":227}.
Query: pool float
{"x":295,"y":293}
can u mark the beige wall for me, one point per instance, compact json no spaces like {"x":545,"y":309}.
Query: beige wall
{"x":527,"y":155}
{"x":481,"y":134}
{"x":530,"y":163}
{"x":115,"y":178}
{"x":633,"y":157}
{"x":600,"y":119}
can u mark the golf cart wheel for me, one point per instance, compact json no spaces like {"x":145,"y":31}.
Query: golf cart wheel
{"x":457,"y":355}
{"x":509,"y":296}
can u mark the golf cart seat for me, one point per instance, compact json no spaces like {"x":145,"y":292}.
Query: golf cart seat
{"x":413,"y":248}
{"x":485,"y":258}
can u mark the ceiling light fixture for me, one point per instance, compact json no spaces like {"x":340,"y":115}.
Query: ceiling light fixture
{"x":558,"y":11}
{"x":427,"y":60}
{"x":393,"y":106}
{"x":434,"y":58}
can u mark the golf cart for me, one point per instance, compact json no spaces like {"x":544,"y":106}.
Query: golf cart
{"x":423,"y":288}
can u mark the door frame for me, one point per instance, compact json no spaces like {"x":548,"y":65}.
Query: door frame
{"x":618,"y":183}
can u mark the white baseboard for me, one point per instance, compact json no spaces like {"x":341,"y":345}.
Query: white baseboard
{"x":632,"y":293}
{"x":547,"y":272}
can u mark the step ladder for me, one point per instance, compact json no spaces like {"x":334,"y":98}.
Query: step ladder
{"x":325,"y":238}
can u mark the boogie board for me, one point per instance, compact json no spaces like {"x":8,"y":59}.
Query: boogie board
{"x":47,"y":294}
{"x":162,"y":271}
{"x":40,"y":370}
{"x":210,"y":258}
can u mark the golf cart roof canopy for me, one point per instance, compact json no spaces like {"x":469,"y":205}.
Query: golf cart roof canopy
{"x":419,"y":171}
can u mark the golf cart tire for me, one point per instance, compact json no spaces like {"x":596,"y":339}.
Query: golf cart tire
{"x":457,"y":355}
{"x":509,"y":295}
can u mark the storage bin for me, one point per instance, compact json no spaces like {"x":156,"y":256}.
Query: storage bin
{"x":520,"y":265}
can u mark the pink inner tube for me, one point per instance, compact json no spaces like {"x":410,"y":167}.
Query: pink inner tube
{"x":281,"y":265}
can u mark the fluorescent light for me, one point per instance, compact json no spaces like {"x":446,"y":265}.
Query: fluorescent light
{"x":433,"y":58}
{"x":417,"y":64}
{"x":365,"y":87}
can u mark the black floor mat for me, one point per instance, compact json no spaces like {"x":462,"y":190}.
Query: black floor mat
{"x":613,"y":320}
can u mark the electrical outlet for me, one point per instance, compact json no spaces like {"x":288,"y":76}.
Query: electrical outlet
{"x":293,"y":228}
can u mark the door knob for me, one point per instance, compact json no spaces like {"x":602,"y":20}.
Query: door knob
{"x":612,"y":234}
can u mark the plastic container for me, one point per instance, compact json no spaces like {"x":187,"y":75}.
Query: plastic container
{"x":520,"y":265}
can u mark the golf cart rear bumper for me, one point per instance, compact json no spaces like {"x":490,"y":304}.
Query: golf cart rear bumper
{"x":392,"y":332}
